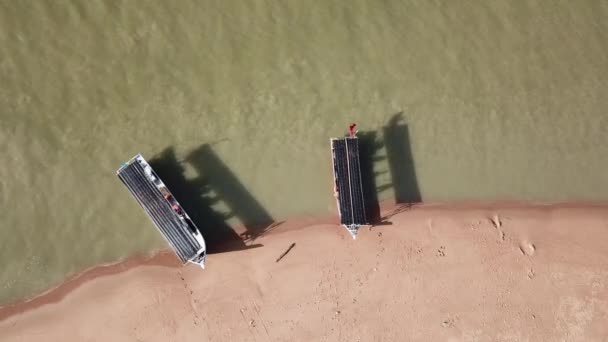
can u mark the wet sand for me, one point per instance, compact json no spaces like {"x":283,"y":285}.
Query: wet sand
{"x":430,"y":273}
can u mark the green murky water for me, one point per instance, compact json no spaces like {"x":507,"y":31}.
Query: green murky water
{"x":502,"y":100}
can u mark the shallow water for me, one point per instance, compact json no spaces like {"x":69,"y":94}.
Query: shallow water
{"x":497,"y":100}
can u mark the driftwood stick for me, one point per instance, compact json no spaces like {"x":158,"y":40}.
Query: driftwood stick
{"x":287,"y":251}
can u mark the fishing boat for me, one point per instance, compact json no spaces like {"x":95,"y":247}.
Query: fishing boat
{"x":164,"y":210}
{"x":348,"y":186}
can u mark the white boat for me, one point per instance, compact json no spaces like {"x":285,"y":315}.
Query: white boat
{"x":164,"y":210}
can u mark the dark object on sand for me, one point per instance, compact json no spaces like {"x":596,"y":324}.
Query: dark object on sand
{"x":287,"y":251}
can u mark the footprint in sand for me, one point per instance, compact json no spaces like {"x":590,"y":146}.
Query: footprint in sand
{"x":496,"y":222}
{"x":527,"y":248}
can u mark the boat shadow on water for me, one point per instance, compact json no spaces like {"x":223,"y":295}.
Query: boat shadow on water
{"x":395,"y":141}
{"x":200,"y":197}
{"x":401,"y":161}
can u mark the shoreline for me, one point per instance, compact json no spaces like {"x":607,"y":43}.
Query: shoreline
{"x":165,"y":258}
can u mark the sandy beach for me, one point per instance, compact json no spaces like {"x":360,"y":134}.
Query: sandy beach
{"x":430,"y":273}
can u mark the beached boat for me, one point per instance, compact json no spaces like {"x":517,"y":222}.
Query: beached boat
{"x":164,"y":210}
{"x":348,"y":186}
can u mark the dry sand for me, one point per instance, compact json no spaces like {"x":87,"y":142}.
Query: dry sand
{"x":434,"y":274}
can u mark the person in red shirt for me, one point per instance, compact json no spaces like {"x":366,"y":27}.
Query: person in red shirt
{"x":351,"y":129}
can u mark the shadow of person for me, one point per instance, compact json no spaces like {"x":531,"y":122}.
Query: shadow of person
{"x":400,"y":160}
{"x":196,"y":198}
